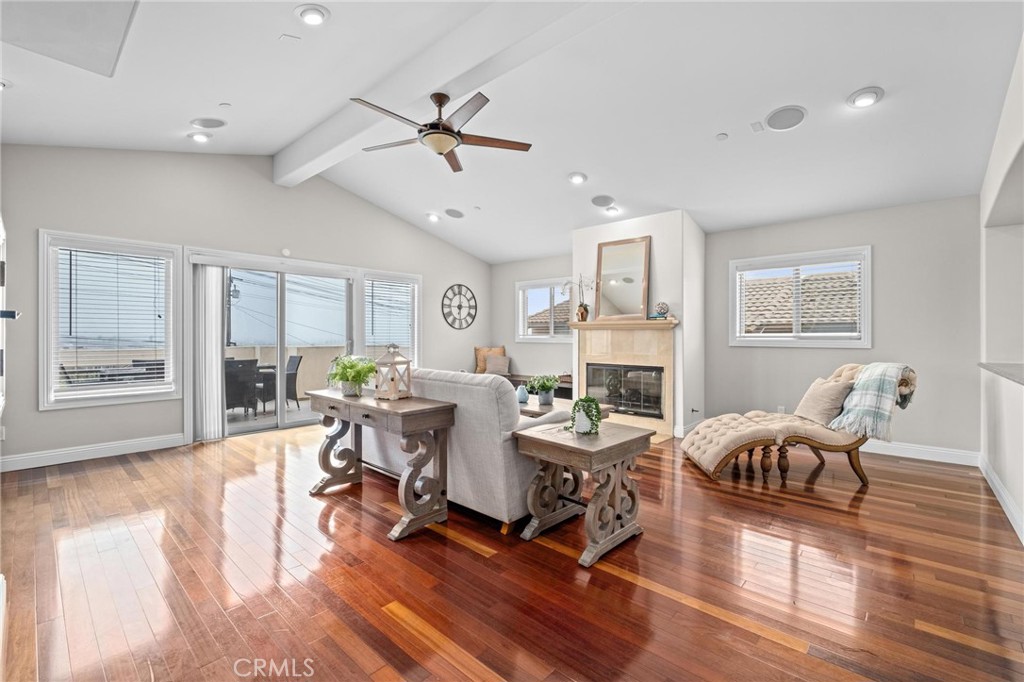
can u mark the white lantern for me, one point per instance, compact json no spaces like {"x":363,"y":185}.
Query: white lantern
{"x":394,"y":375}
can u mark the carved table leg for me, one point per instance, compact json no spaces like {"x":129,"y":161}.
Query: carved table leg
{"x":424,"y":498}
{"x":766,"y":461}
{"x":783,"y":461}
{"x":341,"y":464}
{"x":611,"y":513}
{"x":553,"y":497}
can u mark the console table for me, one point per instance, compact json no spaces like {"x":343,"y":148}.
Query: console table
{"x":532,"y":408}
{"x":555,"y":492}
{"x":423,"y":426}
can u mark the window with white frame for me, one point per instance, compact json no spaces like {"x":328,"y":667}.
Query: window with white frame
{"x":543,"y":310}
{"x":820,"y":299}
{"x":391,"y":314}
{"x":109,"y":321}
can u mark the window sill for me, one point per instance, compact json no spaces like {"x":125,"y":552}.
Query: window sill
{"x":104,"y":401}
{"x":543,"y":339}
{"x":800,"y":343}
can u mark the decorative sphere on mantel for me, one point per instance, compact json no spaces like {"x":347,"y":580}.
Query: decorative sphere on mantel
{"x":661,"y":308}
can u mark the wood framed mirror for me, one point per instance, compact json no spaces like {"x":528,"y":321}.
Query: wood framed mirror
{"x":623,"y":267}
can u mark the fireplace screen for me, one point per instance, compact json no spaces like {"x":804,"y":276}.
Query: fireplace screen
{"x":629,"y":389}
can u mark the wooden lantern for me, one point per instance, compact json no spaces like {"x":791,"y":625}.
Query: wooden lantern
{"x":394,"y":375}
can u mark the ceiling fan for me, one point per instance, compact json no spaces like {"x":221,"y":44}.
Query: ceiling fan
{"x":443,"y":135}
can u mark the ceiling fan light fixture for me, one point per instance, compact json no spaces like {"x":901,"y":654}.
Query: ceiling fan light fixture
{"x":312,"y":15}
{"x":439,"y":141}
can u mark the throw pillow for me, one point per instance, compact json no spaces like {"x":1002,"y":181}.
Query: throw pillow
{"x":482,"y":353}
{"x":497,"y":364}
{"x":823,"y":401}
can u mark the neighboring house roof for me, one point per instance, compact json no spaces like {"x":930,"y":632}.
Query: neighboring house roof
{"x":563,"y":313}
{"x":829,"y":302}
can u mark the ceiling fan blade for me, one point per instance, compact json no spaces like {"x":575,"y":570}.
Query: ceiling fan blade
{"x":453,"y":160}
{"x":461,"y":116}
{"x":384,"y":111}
{"x":481,"y":141}
{"x":389,"y":145}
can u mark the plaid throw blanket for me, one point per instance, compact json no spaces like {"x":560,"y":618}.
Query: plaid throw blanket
{"x":867,"y":411}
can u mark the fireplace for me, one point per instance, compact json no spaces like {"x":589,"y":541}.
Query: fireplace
{"x":629,"y":389}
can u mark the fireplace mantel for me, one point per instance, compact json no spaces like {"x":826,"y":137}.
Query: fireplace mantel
{"x":625,"y":323}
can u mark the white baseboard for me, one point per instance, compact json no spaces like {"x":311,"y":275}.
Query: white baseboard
{"x":1006,"y":501}
{"x":31,"y":460}
{"x":686,"y":428}
{"x":931,"y":453}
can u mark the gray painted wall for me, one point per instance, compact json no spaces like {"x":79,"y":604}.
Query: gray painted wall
{"x":527,"y":357}
{"x":203,"y":200}
{"x":925,"y":312}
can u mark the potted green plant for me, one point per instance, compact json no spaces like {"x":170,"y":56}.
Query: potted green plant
{"x":350,"y":373}
{"x":585,"y":415}
{"x":544,"y":386}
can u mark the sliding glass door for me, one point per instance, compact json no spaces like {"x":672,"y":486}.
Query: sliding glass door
{"x":250,"y":349}
{"x":316,"y":330}
{"x":281,"y":332}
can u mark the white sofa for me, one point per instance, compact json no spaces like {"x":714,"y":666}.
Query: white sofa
{"x":485,"y":470}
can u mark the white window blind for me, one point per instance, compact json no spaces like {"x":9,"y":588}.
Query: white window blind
{"x":543,"y":311}
{"x":391,"y":316}
{"x":814,"y":299}
{"x":110,"y":322}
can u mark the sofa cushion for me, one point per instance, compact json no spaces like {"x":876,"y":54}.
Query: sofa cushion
{"x":481,"y":356}
{"x":497,"y":364}
{"x":823,"y":401}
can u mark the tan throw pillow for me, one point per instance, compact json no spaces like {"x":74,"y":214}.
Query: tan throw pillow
{"x":482,"y":353}
{"x":497,"y":364}
{"x":823,"y":401}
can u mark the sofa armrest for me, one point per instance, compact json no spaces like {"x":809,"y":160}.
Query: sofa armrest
{"x":555,"y":417}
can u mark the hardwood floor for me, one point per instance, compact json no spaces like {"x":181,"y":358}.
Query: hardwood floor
{"x":198,"y":563}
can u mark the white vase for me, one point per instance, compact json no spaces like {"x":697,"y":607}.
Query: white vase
{"x":349,"y":388}
{"x":546,"y":397}
{"x":582,"y":422}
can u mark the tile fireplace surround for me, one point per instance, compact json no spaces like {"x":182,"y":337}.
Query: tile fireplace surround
{"x":618,"y":341}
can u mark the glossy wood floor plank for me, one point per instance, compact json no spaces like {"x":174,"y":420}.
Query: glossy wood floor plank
{"x":197,"y":563}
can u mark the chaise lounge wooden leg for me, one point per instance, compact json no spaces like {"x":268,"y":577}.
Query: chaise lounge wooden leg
{"x":766,"y":461}
{"x":854,"y":456}
{"x":750,"y":453}
{"x":817,"y":453}
{"x":783,"y":461}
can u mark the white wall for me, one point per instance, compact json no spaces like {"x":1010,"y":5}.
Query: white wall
{"x":1003,"y":293}
{"x":925,"y":291}
{"x":527,"y":357}
{"x":218,"y":202}
{"x":676,"y":242}
{"x":1002,"y":444}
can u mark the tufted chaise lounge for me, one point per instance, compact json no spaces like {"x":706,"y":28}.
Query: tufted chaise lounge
{"x":720,"y":440}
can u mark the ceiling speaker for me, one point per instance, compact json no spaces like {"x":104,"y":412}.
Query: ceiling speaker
{"x":786,"y":118}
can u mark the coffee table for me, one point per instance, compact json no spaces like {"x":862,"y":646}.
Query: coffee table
{"x":555,"y":492}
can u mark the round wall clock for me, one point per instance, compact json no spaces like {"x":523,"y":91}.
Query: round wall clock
{"x":458,"y":306}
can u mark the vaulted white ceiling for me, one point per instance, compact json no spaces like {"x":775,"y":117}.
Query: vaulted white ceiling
{"x":633,"y":95}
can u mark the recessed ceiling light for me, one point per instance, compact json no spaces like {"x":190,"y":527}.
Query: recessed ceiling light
{"x":602,"y":200}
{"x":224,"y":105}
{"x":865,"y":97}
{"x":312,"y":15}
{"x":454,"y":213}
{"x":3,"y":85}
{"x":433,"y":217}
{"x":786,"y":118}
{"x":200,"y":137}
{"x":722,"y":137}
{"x":207,"y":123}
{"x":612,"y":210}
{"x":577,"y":178}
